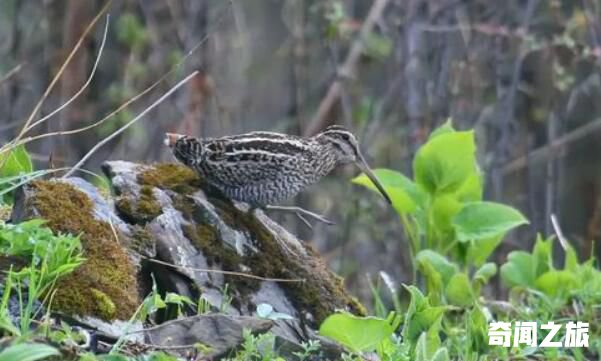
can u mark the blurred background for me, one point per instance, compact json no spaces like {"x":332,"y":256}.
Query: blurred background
{"x":525,"y":74}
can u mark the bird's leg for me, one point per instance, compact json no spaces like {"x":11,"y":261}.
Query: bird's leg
{"x":301,"y":213}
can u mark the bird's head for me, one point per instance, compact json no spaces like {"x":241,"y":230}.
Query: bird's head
{"x":345,"y":146}
{"x":187,"y":150}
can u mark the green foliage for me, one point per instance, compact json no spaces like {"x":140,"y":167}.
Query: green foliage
{"x":452,"y":233}
{"x":15,"y":164}
{"x":359,"y":334}
{"x":131,"y":32}
{"x":257,"y":348}
{"x":441,"y":208}
{"x":49,"y":256}
{"x":28,"y":352}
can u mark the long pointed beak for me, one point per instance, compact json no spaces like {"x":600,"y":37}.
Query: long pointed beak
{"x":362,"y":164}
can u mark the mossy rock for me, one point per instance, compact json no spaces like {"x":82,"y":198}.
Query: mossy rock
{"x":105,"y":285}
{"x":321,"y":292}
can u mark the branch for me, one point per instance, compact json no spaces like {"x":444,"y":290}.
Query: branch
{"x":347,"y":69}
{"x":552,"y":149}
{"x":84,"y":86}
{"x":60,"y":72}
{"x":128,"y":124}
{"x":12,"y":72}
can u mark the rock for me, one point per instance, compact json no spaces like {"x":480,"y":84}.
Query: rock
{"x":165,"y":224}
{"x":220,"y":333}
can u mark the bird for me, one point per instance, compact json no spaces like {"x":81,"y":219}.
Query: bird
{"x":264,"y":168}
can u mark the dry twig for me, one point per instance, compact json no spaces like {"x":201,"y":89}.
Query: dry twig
{"x":347,"y":69}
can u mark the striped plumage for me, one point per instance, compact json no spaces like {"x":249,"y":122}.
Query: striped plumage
{"x":265,"y":168}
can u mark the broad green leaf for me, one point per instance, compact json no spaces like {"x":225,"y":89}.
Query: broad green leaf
{"x":441,"y":354}
{"x":543,"y":255}
{"x":405,"y":195}
{"x":479,"y":250}
{"x":471,"y":190}
{"x":477,"y":331}
{"x":428,"y":343}
{"x":15,"y":162}
{"x":28,"y":352}
{"x":485,"y":273}
{"x":445,"y":162}
{"x":483,"y":220}
{"x":520,"y":270}
{"x":420,"y":315}
{"x":571,"y":260}
{"x":446,"y":127}
{"x":445,"y":268}
{"x":434,"y":283}
{"x":557,"y":283}
{"x":459,"y":290}
{"x":359,"y":334}
{"x":444,"y":209}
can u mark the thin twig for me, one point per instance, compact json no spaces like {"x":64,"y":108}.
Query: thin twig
{"x":562,"y":239}
{"x":12,"y":72}
{"x":85,"y":85}
{"x":128,"y":124}
{"x":122,"y":106}
{"x":229,"y":273}
{"x":60,"y":72}
{"x":347,"y":69}
{"x":552,"y":149}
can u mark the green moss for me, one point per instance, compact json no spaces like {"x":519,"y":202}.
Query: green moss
{"x":142,"y":210}
{"x":104,"y":304}
{"x":178,"y":178}
{"x":107,"y":268}
{"x":141,"y":240}
{"x":321,"y":294}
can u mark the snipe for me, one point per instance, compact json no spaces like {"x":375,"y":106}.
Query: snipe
{"x":265,"y":168}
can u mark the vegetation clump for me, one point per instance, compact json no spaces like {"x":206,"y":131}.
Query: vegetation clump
{"x":175,"y":177}
{"x":107,"y":277}
{"x":141,"y":210}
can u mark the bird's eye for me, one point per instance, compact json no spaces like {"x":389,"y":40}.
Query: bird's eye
{"x":338,"y":146}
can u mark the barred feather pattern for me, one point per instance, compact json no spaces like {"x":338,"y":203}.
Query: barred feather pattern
{"x":265,"y":168}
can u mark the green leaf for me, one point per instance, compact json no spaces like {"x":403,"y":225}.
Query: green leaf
{"x":16,"y":162}
{"x":520,"y":270}
{"x":542,"y":255}
{"x":420,"y":315}
{"x":571,"y":260}
{"x":477,"y":332}
{"x":445,"y":162}
{"x":483,"y":220}
{"x":459,"y":291}
{"x":485,"y":273}
{"x":28,"y":352}
{"x":441,"y":354}
{"x":405,"y":195}
{"x":359,"y":334}
{"x":446,"y":127}
{"x":445,"y":268}
{"x":471,"y":190}
{"x":444,"y":209}
{"x":478,"y":251}
{"x":557,"y":283}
